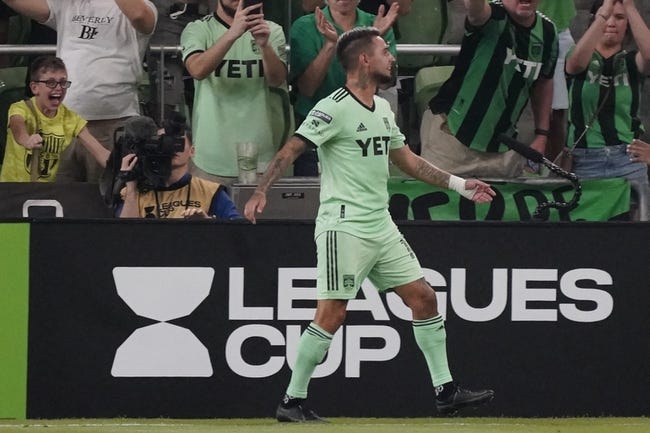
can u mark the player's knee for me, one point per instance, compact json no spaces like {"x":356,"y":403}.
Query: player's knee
{"x":421,"y":299}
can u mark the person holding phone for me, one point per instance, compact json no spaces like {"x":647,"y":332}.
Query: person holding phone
{"x":234,"y":56}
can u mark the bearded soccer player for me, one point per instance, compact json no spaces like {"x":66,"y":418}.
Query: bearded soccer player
{"x":355,"y":134}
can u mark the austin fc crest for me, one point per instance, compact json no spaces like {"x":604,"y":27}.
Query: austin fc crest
{"x":348,"y":282}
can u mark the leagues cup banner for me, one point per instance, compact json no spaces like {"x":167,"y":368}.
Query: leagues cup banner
{"x":202,"y":319}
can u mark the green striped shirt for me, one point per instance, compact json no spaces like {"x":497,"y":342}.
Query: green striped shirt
{"x":498,"y":65}
{"x":617,"y":122}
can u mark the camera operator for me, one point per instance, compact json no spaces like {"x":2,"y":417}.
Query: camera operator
{"x":181,"y":196}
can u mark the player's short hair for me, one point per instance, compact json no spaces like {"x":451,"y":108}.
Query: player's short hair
{"x":42,"y":64}
{"x":354,"y":42}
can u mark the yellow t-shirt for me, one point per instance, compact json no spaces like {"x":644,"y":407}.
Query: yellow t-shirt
{"x":57,"y":133}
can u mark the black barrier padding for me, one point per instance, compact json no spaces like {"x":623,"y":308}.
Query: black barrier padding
{"x":537,"y":368}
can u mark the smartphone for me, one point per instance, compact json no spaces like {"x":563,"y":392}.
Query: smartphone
{"x":248,"y":3}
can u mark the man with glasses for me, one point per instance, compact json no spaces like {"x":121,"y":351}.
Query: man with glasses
{"x":41,"y":128}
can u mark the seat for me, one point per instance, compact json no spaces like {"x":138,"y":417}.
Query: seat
{"x":12,"y":89}
{"x":426,"y":23}
{"x":427,"y":83}
{"x":18,"y":34}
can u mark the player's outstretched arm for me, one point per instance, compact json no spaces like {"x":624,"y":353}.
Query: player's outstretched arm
{"x":280,"y":163}
{"x":421,"y":169}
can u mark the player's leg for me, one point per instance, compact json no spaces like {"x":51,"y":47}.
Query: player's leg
{"x":431,"y":337}
{"x":341,"y":265}
{"x":400,"y":269}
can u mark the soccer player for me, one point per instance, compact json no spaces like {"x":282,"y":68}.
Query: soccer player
{"x":355,"y":134}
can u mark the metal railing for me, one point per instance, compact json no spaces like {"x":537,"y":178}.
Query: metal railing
{"x":424,"y":49}
{"x":435,"y":49}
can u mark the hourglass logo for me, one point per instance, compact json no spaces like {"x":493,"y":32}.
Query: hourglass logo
{"x":162,"y":349}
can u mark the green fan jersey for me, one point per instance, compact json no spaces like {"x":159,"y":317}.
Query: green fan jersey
{"x":498,"y":65}
{"x":618,"y":121}
{"x":230,"y":104}
{"x":353,"y":142}
{"x":561,"y":12}
{"x":306,"y":43}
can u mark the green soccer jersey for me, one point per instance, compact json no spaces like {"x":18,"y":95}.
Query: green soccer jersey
{"x":230,"y":104}
{"x":353,"y":143}
{"x":561,"y":12}
{"x":498,"y":65}
{"x":618,"y":121}
{"x":306,"y":43}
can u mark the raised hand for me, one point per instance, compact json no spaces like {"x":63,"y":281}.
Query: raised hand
{"x":384,"y":21}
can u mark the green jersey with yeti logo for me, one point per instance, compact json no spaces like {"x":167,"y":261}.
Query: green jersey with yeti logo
{"x":353,"y":143}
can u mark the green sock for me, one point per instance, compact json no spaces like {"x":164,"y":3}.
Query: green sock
{"x":431,"y":337}
{"x":313,"y":346}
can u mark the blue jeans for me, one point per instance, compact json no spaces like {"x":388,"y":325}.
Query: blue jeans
{"x":608,"y":162}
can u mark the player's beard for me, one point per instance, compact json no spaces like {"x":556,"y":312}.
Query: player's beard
{"x":385,"y":81}
{"x":228,"y":10}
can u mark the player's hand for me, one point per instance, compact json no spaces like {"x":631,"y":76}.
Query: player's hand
{"x":255,"y":204}
{"x":384,"y":21}
{"x":194,"y":213}
{"x":483,"y":192}
{"x":34,"y":141}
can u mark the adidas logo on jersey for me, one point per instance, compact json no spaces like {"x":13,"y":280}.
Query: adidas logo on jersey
{"x":361,"y":127}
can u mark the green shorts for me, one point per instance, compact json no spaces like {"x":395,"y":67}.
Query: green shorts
{"x":344,"y":262}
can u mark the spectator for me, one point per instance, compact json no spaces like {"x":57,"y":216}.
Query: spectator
{"x":562,"y":14}
{"x":355,"y":236}
{"x":234,"y":57}
{"x":315,"y":72}
{"x":103,"y":43}
{"x":177,"y":85}
{"x":181,"y":196}
{"x":507,"y":56}
{"x":48,"y":125}
{"x":605,"y":89}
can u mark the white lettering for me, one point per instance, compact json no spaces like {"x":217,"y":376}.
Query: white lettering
{"x":522,"y":295}
{"x":236,"y":308}
{"x":473,"y":314}
{"x":287,"y":293}
{"x":234,"y":356}
{"x":355,"y":354}
{"x":603,"y":300}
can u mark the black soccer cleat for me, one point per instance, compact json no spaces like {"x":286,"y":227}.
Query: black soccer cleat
{"x":294,"y":410}
{"x":460,"y":398}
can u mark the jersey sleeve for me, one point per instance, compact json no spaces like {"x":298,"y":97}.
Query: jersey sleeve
{"x":321,"y":124}
{"x":79,"y":123}
{"x":550,"y":60}
{"x":20,"y":109}
{"x":193,"y":39}
{"x":278,"y":41}
{"x":397,"y":138}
